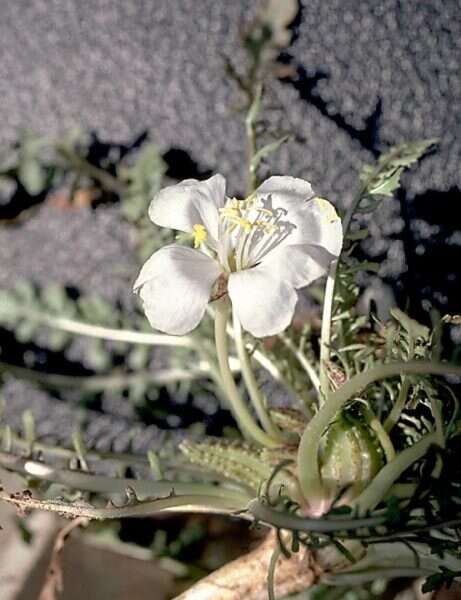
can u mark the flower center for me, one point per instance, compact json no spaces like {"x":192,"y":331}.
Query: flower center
{"x":251,"y":228}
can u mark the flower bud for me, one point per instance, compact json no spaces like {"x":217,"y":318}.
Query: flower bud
{"x":350,"y":455}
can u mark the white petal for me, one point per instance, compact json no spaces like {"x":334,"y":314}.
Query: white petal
{"x":287,"y":189}
{"x":189,"y":203}
{"x":174,"y":286}
{"x":264,"y":304}
{"x":210,"y":199}
{"x":309,"y":220}
{"x":299,"y":265}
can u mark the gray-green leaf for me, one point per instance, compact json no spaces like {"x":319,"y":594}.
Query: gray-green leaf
{"x":384,"y":178}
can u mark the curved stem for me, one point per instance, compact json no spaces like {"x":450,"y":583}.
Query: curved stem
{"x":187,"y":503}
{"x":246,"y":577}
{"x":353,"y":208}
{"x":379,"y":486}
{"x":267,"y":364}
{"x":325,"y":335}
{"x":284,"y":520}
{"x":328,"y":302}
{"x":398,"y":406}
{"x":259,"y":357}
{"x":401,"y":401}
{"x":362,"y":577}
{"x":381,"y":434}
{"x":122,"y":458}
{"x":239,"y":409}
{"x":117,"y":381}
{"x":308,"y":464}
{"x":111,"y":334}
{"x":173,"y":463}
{"x":211,"y":364}
{"x":254,"y":392}
{"x":438,"y":421}
{"x":116,"y":485}
{"x":80,"y":164}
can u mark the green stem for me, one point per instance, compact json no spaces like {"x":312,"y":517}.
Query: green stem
{"x":242,"y":415}
{"x":113,"y":485}
{"x":108,"y":181}
{"x":263,"y":360}
{"x":347,"y":220}
{"x":438,"y":421}
{"x":250,"y":128}
{"x":212,"y":366}
{"x":105,"y":382}
{"x":328,"y":302}
{"x":254,"y":392}
{"x":306,"y":365}
{"x":401,"y":401}
{"x":377,"y":489}
{"x":398,"y":406}
{"x":123,"y":459}
{"x":381,"y":434}
{"x":10,"y":441}
{"x":325,"y":336}
{"x":308,"y":451}
{"x":271,"y":573}
{"x":188,"y":503}
{"x":109,"y":333}
{"x":284,"y":520}
{"x":361,"y":577}
{"x":258,"y":356}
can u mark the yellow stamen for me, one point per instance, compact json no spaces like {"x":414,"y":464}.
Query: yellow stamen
{"x":234,"y":214}
{"x":233,"y":210}
{"x":245,"y":224}
{"x":230,"y":213}
{"x":266,"y":227}
{"x":249,"y":216}
{"x":200,"y":234}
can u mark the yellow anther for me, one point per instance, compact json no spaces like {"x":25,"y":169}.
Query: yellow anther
{"x":233,"y":210}
{"x":230,"y":213}
{"x":265,"y":226}
{"x":327,"y":209}
{"x":234,"y":215}
{"x":200,"y":234}
{"x":245,"y":224}
{"x":266,"y":211}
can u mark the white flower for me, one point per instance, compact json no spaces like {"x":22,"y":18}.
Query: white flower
{"x":259,"y":250}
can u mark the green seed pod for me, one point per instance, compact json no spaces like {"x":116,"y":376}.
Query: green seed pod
{"x":350,"y":454}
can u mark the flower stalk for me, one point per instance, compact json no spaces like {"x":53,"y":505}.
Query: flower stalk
{"x":325,"y":336}
{"x":239,"y":409}
{"x":256,"y":396}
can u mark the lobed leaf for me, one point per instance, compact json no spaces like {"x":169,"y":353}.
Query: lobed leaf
{"x":384,"y":178}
